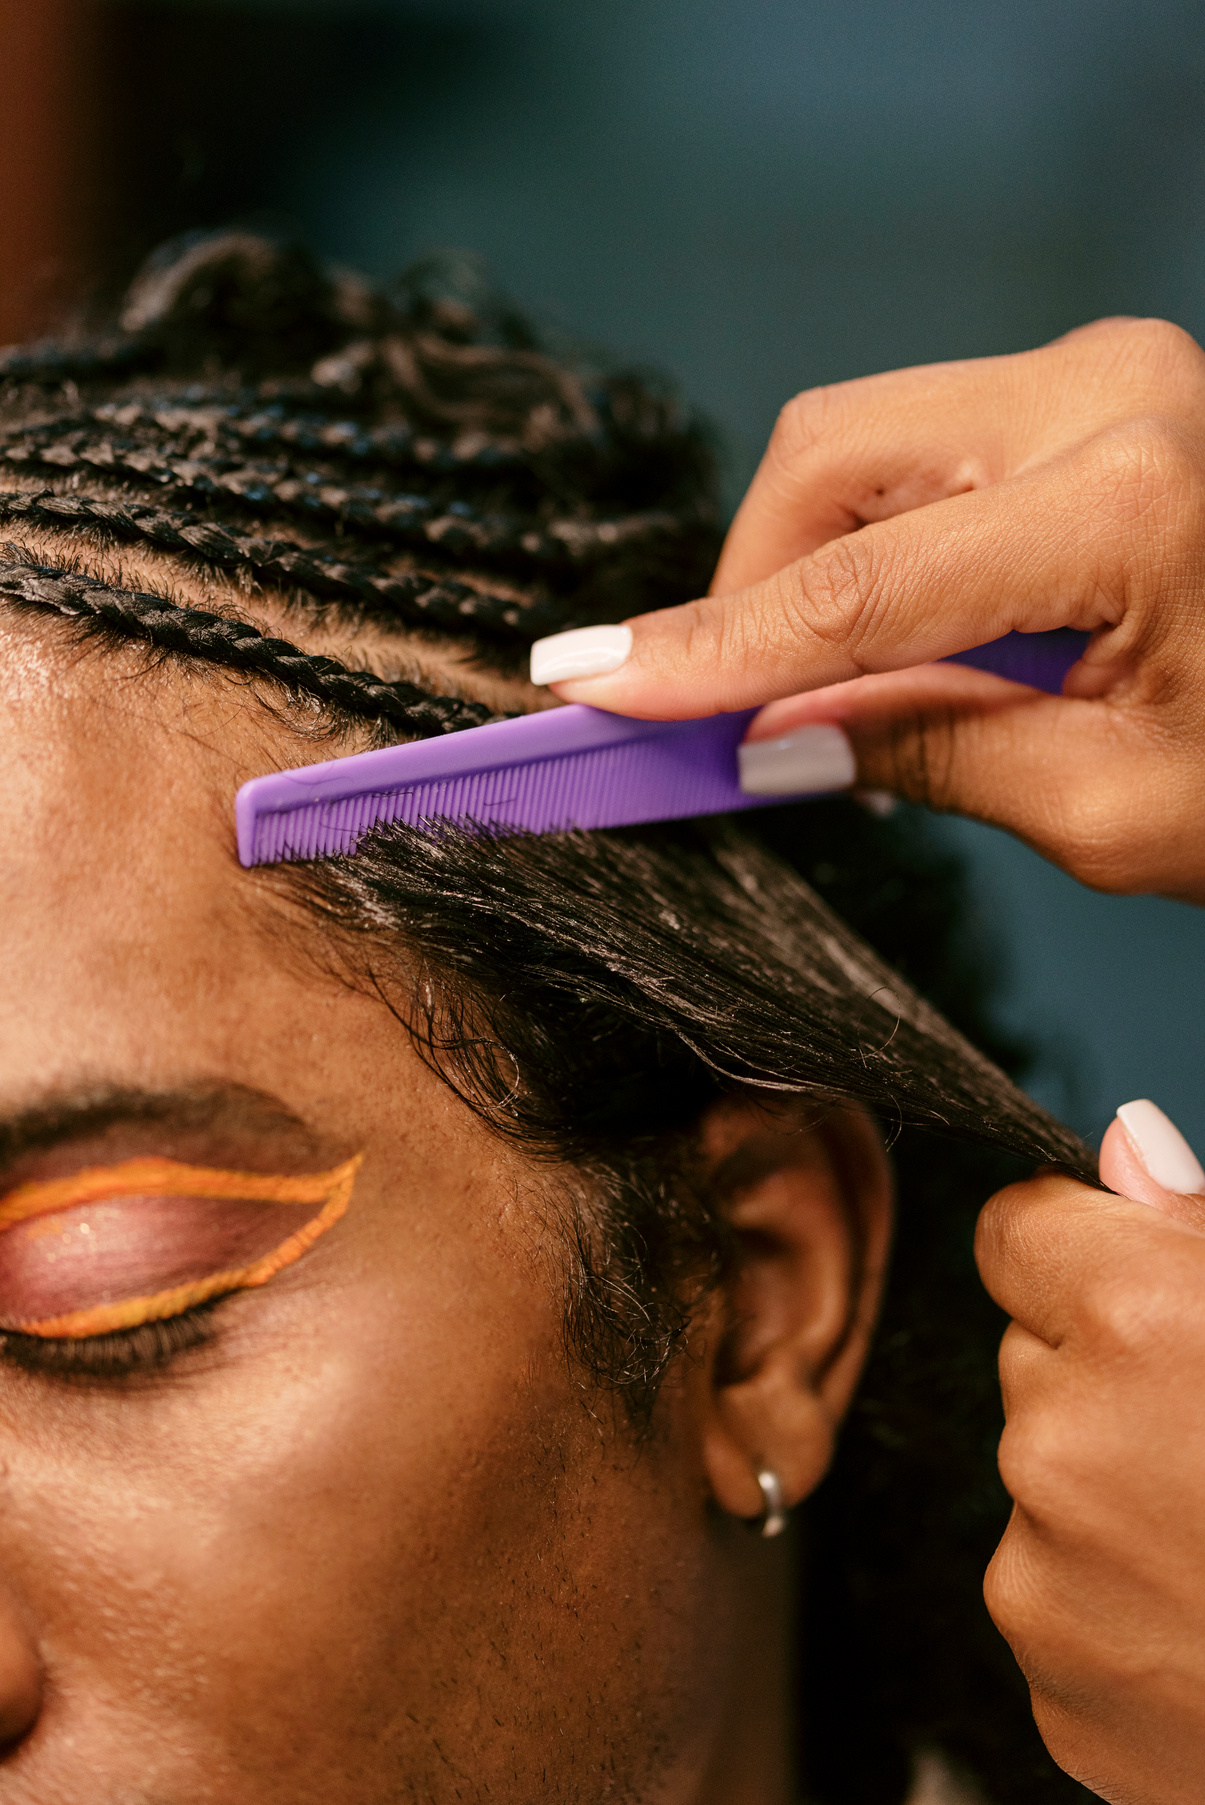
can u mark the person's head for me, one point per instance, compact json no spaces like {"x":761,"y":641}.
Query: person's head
{"x":437,"y":1477}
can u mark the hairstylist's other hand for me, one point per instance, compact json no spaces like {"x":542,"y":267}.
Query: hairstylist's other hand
{"x":901,"y":518}
{"x":1099,"y":1582}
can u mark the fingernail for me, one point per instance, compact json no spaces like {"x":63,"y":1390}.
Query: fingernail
{"x":1161,"y":1147}
{"x":810,"y":759}
{"x":582,"y":652}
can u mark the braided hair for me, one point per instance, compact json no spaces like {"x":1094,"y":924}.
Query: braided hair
{"x":235,"y":644}
{"x":514,"y":496}
{"x":417,"y":459}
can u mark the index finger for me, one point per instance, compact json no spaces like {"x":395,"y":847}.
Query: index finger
{"x":1053,"y":547}
{"x":1055,"y":1253}
{"x":852,"y":453}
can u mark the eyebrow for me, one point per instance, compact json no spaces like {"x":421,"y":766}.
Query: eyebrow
{"x":227,"y":1109}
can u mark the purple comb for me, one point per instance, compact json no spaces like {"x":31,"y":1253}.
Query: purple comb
{"x":542,"y":773}
{"x":1040,"y":659}
{"x":572,"y":767}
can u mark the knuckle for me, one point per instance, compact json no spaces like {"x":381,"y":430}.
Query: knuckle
{"x":1147,"y":464}
{"x":1149,"y":354}
{"x":1161,"y":344}
{"x":805,"y":422}
{"x":1018,"y":1601}
{"x":1034,"y":1465}
{"x":842,"y":594}
{"x":1015,"y":1365}
{"x":1000,"y":1601}
{"x":1012,"y":1590}
{"x":1000,"y":1595}
{"x":1078,"y":1667}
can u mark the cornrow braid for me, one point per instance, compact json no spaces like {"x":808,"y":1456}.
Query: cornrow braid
{"x":236,"y":645}
{"x":413,"y":597}
{"x":254,"y":304}
{"x":263,"y":419}
{"x":304,"y":415}
{"x":244,"y":388}
{"x":193,"y":459}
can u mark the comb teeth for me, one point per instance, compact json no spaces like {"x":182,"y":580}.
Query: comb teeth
{"x":606,"y":786}
{"x":544,"y":773}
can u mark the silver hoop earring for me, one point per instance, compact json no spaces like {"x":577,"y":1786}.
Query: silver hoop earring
{"x":774,"y":1514}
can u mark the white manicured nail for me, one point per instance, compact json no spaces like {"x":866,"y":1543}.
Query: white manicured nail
{"x":1161,"y":1147}
{"x":812,"y":759}
{"x":582,"y":652}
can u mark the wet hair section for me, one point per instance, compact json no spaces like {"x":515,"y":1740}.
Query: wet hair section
{"x":113,"y":1247}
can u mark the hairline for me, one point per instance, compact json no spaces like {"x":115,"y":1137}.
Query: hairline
{"x":274,"y":611}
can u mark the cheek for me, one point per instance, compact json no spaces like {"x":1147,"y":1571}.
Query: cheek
{"x":318,"y":1528}
{"x":373,"y":1534}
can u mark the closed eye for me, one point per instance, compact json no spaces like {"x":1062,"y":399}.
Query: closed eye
{"x":113,"y":1251}
{"x":126,"y":1353}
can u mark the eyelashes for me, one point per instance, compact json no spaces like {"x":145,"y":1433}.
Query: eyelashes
{"x":116,"y":1356}
{"x":115,"y":1248}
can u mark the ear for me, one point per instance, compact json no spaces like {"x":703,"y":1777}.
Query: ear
{"x":808,"y":1194}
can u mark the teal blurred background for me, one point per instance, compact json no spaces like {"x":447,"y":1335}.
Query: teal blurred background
{"x":758,"y":195}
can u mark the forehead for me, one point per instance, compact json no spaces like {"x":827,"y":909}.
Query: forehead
{"x":136,"y":947}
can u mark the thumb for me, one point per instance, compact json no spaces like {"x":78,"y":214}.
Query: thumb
{"x":1145,"y":1157}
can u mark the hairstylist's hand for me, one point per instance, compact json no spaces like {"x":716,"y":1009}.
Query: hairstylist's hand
{"x":1099,"y":1583}
{"x":905,"y":517}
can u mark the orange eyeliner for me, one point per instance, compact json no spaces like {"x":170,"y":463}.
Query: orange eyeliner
{"x":155,"y":1177}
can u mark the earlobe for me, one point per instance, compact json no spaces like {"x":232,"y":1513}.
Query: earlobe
{"x":809,"y":1201}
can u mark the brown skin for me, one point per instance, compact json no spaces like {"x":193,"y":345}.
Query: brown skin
{"x":917,"y":514}
{"x":1099,"y":1583}
{"x":371,"y":1541}
{"x":908,"y":516}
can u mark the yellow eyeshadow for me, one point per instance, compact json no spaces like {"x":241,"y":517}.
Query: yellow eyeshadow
{"x":330,"y":1193}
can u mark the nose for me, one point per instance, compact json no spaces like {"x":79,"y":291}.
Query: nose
{"x":20,"y":1675}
